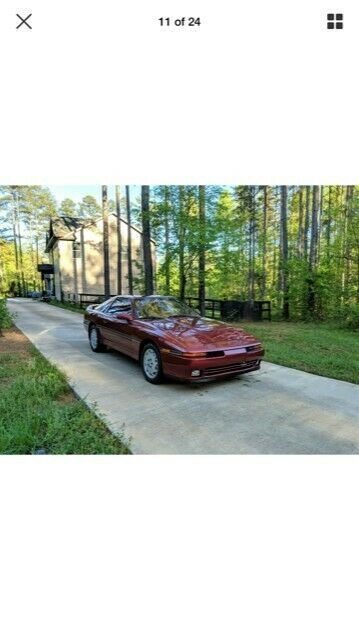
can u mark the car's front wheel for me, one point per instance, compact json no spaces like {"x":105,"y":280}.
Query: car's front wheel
{"x":95,"y":339}
{"x":151,"y":364}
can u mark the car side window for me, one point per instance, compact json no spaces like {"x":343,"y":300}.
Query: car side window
{"x":121,"y":305}
{"x":104,"y":307}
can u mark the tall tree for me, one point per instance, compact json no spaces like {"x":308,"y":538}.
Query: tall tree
{"x":264,"y":243}
{"x":129,"y":241}
{"x":313,"y":253}
{"x":181,"y":244}
{"x":68,"y":208}
{"x":146,"y":239}
{"x":167,"y":240}
{"x":89,"y":208}
{"x":300,"y":241}
{"x":106,"y":252}
{"x":284,"y":253}
{"x":15,"y":232}
{"x":306,"y":221}
{"x":119,"y":240}
{"x":202,"y":250}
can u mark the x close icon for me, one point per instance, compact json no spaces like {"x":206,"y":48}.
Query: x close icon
{"x":24,"y":21}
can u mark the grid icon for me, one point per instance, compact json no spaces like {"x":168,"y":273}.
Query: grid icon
{"x":335,"y":21}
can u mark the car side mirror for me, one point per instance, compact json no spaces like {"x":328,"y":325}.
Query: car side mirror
{"x":126,"y":317}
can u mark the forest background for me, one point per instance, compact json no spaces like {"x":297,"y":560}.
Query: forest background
{"x":297,"y":246}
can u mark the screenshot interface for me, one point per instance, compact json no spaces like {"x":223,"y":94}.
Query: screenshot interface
{"x":179,"y":317}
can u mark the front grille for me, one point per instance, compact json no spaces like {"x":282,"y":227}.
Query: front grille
{"x":230,"y":368}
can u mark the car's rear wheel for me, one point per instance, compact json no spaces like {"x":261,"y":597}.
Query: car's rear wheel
{"x":151,"y":364}
{"x":95,"y":339}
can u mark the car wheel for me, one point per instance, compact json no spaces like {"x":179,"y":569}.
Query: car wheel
{"x":95,"y":339}
{"x":151,"y":364}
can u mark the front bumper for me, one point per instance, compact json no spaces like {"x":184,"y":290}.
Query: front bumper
{"x":232,"y":363}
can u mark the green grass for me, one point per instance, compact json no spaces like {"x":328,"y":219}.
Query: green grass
{"x":66,"y":305}
{"x":39,"y":411}
{"x":319,"y":348}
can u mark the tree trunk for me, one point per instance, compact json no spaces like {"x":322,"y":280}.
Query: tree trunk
{"x":300,"y":242}
{"x":284,"y":254}
{"x":129,"y":242}
{"x":346,"y":244}
{"x":181,"y":243}
{"x":329,"y":223}
{"x":106,"y":255}
{"x":20,"y":255}
{"x":306,"y":222}
{"x":202,"y":250}
{"x":119,"y":241}
{"x":14,"y":229}
{"x":167,"y":243}
{"x":264,"y":244}
{"x":313,"y":254}
{"x":146,"y":238}
{"x":251,"y":242}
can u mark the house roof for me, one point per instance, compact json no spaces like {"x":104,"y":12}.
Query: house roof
{"x":65,"y":227}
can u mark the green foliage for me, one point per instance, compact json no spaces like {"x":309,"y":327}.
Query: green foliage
{"x":5,"y":316}
{"x":89,"y":208}
{"x":68,"y":208}
{"x":242,"y":243}
{"x":25,"y":212}
{"x":352,"y":318}
{"x":243,"y":240}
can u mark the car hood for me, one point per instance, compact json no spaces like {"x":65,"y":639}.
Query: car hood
{"x":202,"y":334}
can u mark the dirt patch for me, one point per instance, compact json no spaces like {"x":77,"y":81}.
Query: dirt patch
{"x":14,"y":342}
{"x":66,"y":398}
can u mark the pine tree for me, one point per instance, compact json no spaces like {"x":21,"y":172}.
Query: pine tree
{"x":106,"y":257}
{"x":202,"y":250}
{"x":146,"y":238}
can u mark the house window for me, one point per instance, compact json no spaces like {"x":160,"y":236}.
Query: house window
{"x":76,"y":249}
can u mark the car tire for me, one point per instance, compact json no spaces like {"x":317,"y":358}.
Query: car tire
{"x":95,"y":339}
{"x":151,"y":364}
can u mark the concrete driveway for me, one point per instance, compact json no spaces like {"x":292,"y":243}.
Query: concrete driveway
{"x":275,"y":410}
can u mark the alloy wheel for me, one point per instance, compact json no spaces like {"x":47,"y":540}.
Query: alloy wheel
{"x":151,"y":363}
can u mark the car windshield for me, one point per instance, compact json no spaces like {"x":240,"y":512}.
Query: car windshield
{"x":159,"y":308}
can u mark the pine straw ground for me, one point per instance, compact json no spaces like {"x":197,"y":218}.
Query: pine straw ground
{"x":38,"y":410}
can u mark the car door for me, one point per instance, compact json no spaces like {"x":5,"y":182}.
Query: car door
{"x":118,"y":332}
{"x":102,"y":320}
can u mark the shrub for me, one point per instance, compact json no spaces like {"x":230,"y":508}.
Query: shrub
{"x":5,"y":316}
{"x":352,"y":318}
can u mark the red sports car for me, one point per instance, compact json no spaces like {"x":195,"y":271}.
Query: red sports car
{"x":169,"y":338}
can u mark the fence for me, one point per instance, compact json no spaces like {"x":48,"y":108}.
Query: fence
{"x":82,"y":299}
{"x":220,"y":309}
{"x":235,"y":309}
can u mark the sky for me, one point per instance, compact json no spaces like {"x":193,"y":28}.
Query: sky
{"x":77,"y":192}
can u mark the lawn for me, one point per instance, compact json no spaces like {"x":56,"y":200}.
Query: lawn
{"x":318,"y":348}
{"x":38,"y":410}
{"x":66,"y":305}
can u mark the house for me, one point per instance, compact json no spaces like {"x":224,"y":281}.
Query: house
{"x":75,"y":248}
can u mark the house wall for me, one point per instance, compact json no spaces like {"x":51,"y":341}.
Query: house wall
{"x":57,"y":280}
{"x":66,"y":267}
{"x":83,"y":271}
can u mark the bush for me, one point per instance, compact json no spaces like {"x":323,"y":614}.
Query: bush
{"x":352,"y":318}
{"x":5,"y":316}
